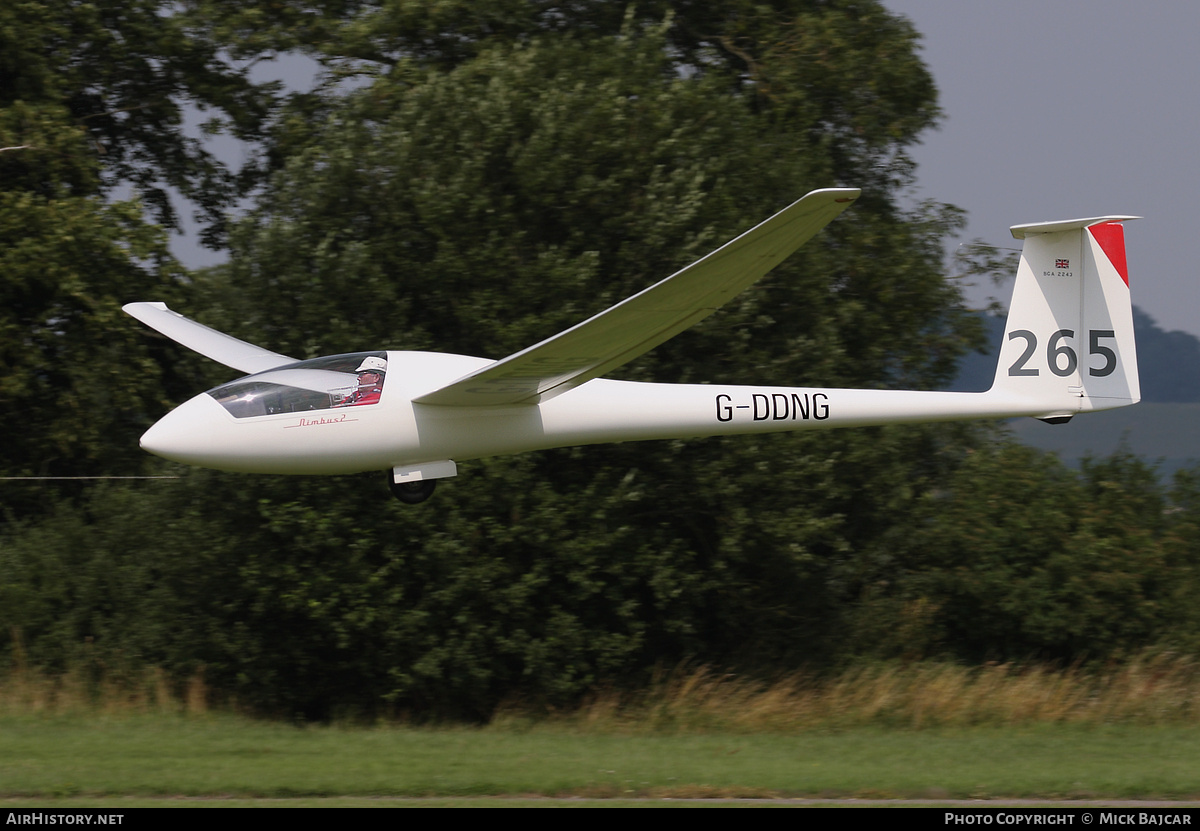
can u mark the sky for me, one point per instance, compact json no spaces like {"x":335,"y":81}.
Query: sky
{"x":1058,"y":109}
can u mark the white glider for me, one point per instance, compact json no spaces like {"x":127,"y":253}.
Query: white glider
{"x":1068,"y":348}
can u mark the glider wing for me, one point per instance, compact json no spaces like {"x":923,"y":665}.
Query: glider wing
{"x":641,"y":322}
{"x":210,"y":343}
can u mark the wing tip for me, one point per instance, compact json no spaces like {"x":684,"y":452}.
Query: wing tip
{"x":133,"y":308}
{"x":841,"y":196}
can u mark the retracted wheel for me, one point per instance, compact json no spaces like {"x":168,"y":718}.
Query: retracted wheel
{"x":411,"y":493}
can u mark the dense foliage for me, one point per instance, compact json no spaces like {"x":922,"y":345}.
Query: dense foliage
{"x":473,"y":180}
{"x":91,"y":139}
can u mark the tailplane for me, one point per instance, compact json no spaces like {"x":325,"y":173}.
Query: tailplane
{"x":1069,"y":338}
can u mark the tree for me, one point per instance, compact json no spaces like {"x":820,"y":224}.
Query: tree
{"x":115,"y":77}
{"x":489,"y":180}
{"x":1018,"y":557}
{"x":92,"y":138}
{"x":479,"y":207}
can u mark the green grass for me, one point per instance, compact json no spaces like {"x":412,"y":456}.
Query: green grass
{"x":223,"y":756}
{"x":917,"y":731}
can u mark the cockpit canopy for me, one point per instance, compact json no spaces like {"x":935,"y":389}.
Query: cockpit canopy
{"x":353,"y":380}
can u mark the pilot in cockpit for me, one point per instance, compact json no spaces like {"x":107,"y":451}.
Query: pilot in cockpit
{"x":370,"y":383}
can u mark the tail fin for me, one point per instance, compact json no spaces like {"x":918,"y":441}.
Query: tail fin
{"x":1069,"y":338}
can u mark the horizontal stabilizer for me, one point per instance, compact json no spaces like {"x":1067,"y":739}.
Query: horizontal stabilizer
{"x":1034,"y":228}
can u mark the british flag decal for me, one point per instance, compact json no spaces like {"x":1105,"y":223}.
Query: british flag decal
{"x":1062,"y":263}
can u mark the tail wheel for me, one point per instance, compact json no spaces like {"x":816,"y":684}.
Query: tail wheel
{"x":411,"y":493}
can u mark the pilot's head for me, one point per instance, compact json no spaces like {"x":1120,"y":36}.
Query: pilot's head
{"x":371,"y":372}
{"x":371,"y":363}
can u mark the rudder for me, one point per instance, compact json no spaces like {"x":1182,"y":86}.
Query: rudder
{"x":1069,"y":338}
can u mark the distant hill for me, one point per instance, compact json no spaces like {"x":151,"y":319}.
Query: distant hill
{"x":1168,"y":362}
{"x":1165,"y":433}
{"x":1163,"y":427}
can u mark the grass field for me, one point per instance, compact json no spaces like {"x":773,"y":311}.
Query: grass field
{"x":230,"y":757}
{"x":923,"y":732}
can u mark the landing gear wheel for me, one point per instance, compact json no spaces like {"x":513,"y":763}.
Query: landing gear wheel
{"x":411,"y":493}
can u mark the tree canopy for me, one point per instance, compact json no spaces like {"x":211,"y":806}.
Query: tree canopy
{"x":471,"y":179}
{"x":92,"y":141}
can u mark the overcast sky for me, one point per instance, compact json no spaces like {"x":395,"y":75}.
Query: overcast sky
{"x":1057,"y":109}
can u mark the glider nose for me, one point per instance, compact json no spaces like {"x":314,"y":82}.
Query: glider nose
{"x":187,"y":433}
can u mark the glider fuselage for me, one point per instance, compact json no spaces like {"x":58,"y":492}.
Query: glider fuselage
{"x":1068,"y":347}
{"x":396,"y":431}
